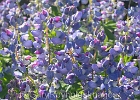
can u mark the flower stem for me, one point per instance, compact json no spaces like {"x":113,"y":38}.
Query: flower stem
{"x":47,"y":43}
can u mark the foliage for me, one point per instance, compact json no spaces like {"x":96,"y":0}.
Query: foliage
{"x":69,"y":50}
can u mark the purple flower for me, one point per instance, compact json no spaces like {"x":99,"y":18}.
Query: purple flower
{"x":80,"y":42}
{"x":36,"y":44}
{"x":45,"y":13}
{"x":24,"y":28}
{"x":92,"y":84}
{"x":0,"y":88}
{"x":4,"y":37}
{"x":37,"y":33}
{"x":78,"y":16}
{"x":27,"y":44}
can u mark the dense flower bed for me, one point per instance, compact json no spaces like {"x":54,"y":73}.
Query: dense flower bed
{"x":70,"y":49}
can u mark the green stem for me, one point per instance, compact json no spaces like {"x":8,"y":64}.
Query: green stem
{"x":37,"y":2}
{"x":47,"y":44}
{"x":90,"y":17}
{"x":94,"y":61}
{"x":128,"y":23}
{"x":30,"y":79}
{"x":18,"y":4}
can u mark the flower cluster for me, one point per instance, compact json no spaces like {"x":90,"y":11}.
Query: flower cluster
{"x":55,"y":46}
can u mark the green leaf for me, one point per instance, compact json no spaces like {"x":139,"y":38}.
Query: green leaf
{"x":26,"y":52}
{"x":109,"y":29}
{"x":51,"y":15}
{"x":84,"y":48}
{"x":55,"y":11}
{"x":73,"y":92}
{"x":4,"y":92}
{"x":17,"y":90}
{"x":26,"y":96}
{"x":33,"y":59}
{"x":0,"y":45}
{"x":117,"y":58}
{"x":76,"y":86}
{"x":109,"y":33}
{"x":5,"y":80}
{"x":111,"y":23}
{"x":52,"y":34}
{"x":1,"y":69}
{"x":129,"y":58}
{"x":63,"y":85}
{"x":5,"y":60}
{"x":68,"y":88}
{"x":137,"y":97}
{"x":83,"y":29}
